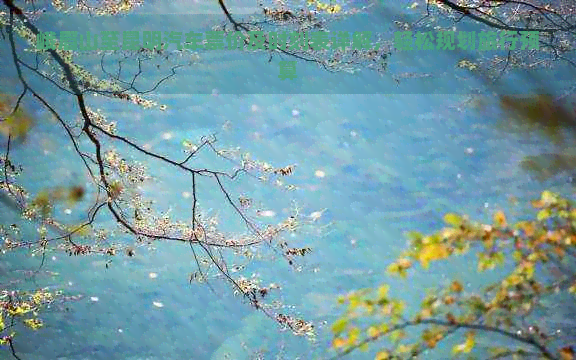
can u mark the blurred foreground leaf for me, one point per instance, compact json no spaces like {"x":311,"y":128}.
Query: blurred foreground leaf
{"x":15,"y":123}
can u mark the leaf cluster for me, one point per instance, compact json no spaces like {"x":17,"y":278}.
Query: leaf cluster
{"x":541,"y":256}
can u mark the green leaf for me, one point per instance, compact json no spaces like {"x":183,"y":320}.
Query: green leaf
{"x":339,"y":326}
{"x":414,"y":235}
{"x":353,"y":336}
{"x":543,"y":214}
{"x":397,"y":335}
{"x":498,"y":351}
{"x":16,"y":125}
{"x":453,"y":219}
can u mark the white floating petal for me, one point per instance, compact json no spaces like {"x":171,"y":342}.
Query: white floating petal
{"x":316,"y":215}
{"x":167,"y":136}
{"x":94,"y":298}
{"x":67,"y":211}
{"x":295,"y":113}
{"x":320,"y":173}
{"x":152,"y":275}
{"x":267,"y":213}
{"x":158,"y":304}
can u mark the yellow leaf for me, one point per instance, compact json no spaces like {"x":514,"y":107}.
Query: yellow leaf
{"x":548,"y":197}
{"x":466,"y":64}
{"x":432,"y":252}
{"x":426,"y":313}
{"x":529,"y":229}
{"x":456,"y":286}
{"x":353,"y":301}
{"x":382,"y":355}
{"x":529,"y":269}
{"x":449,"y":300}
{"x":403,"y":349}
{"x":554,"y":236}
{"x":393,"y":269}
{"x":34,"y":324}
{"x":338,"y":343}
{"x":21,"y":309}
{"x":383,"y":291}
{"x":404,"y":263}
{"x":500,"y":219}
{"x":334,"y":9}
{"x":373,"y":332}
{"x":567,"y":353}
{"x":430,"y":340}
{"x":467,"y":346}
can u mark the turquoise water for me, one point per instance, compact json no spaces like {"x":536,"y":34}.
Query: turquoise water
{"x":392,"y":163}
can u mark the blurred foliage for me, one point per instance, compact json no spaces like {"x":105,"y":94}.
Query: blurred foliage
{"x":543,"y":115}
{"x":19,"y":306}
{"x":538,"y":262}
{"x":15,"y":123}
{"x":47,"y":198}
{"x":540,"y":113}
{"x":23,"y":307}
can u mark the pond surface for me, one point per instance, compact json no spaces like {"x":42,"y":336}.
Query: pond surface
{"x":392,"y":162}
